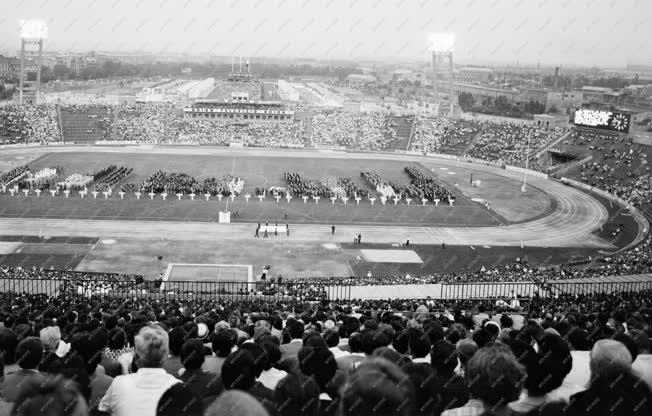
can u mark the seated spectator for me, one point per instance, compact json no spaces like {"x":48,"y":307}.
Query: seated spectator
{"x":465,"y":350}
{"x":52,"y":396}
{"x":203,"y":385}
{"x":332,"y":339}
{"x":319,"y":363}
{"x":29,"y":353}
{"x":377,"y":387}
{"x":298,"y":395}
{"x":546,"y":370}
{"x":172,"y":364}
{"x":236,"y":403}
{"x":642,"y":366}
{"x":223,"y":344}
{"x":426,"y":389}
{"x":139,"y":393}
{"x":50,"y":338}
{"x":239,"y":373}
{"x":493,"y":377}
{"x":82,"y":346}
{"x":295,"y":330}
{"x":179,"y":400}
{"x":451,"y":387}
{"x":270,"y":375}
{"x":8,"y":344}
{"x":419,"y":345}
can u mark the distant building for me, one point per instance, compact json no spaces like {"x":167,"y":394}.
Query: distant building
{"x":361,"y":79}
{"x":475,"y":74}
{"x":442,"y":65}
{"x":603,"y":96}
{"x":8,"y":67}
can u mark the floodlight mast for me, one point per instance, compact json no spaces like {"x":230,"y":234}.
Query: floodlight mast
{"x":32,"y":32}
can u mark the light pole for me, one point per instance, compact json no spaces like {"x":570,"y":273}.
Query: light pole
{"x":527,"y":159}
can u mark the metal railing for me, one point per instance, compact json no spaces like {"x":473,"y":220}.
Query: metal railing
{"x":210,"y":289}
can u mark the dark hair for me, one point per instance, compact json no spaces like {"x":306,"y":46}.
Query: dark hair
{"x":628,"y":342}
{"x":372,"y":340}
{"x":117,"y":338}
{"x":224,"y":341}
{"x":177,"y":337}
{"x":434,"y":330}
{"x":261,"y":362}
{"x":401,"y":342}
{"x":419,"y":346}
{"x":443,"y":358}
{"x":319,"y":363}
{"x":482,"y":337}
{"x":179,"y":400}
{"x":377,"y":387}
{"x":295,"y":328}
{"x":355,"y":342}
{"x":29,"y":353}
{"x":332,"y":338}
{"x":426,"y":389}
{"x":8,"y":344}
{"x":50,"y":397}
{"x":192,"y":354}
{"x":494,"y":375}
{"x":552,"y":364}
{"x":506,"y":321}
{"x":272,"y":352}
{"x":238,"y":370}
{"x":297,"y":395}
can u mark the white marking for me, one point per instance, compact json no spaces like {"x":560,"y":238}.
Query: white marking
{"x":486,"y":246}
{"x":451,"y":173}
{"x":330,"y":246}
{"x":443,"y":168}
{"x":472,"y":248}
{"x":391,"y":256}
{"x":108,"y":241}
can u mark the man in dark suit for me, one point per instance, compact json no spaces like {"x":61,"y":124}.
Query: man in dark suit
{"x":29,"y":353}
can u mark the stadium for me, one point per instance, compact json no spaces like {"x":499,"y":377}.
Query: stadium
{"x":190,"y":245}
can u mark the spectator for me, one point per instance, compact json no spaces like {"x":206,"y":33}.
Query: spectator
{"x":466,"y":348}
{"x":179,"y":400}
{"x":297,"y":395}
{"x":203,"y":385}
{"x":295,"y":330}
{"x":236,"y":403}
{"x":172,"y":364}
{"x":52,"y":396}
{"x":642,"y":366}
{"x":29,"y":353}
{"x":377,"y":387}
{"x":50,"y":338}
{"x":239,"y":373}
{"x":223,"y":344}
{"x":494,"y":377}
{"x":451,"y":387}
{"x":139,"y":393}
{"x":270,"y":376}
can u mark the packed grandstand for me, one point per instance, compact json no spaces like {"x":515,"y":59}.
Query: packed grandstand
{"x":137,"y":346}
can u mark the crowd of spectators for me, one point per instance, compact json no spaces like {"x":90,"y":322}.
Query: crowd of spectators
{"x":618,"y":165}
{"x":75,"y":355}
{"x":361,"y":131}
{"x":433,"y":134}
{"x":36,"y":124}
{"x":507,"y":143}
{"x":637,"y":260}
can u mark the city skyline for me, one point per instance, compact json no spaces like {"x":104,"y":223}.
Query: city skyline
{"x":500,"y":31}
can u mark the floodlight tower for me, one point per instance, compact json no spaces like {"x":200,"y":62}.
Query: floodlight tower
{"x":32,"y":34}
{"x":441,"y":47}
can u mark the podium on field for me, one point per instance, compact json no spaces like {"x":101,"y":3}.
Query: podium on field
{"x":225,"y":217}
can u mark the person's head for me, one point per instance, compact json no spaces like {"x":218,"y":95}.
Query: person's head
{"x":465,"y":350}
{"x":628,"y":342}
{"x":295,"y":329}
{"x":318,"y":362}
{"x":179,"y":400}
{"x":482,"y":337}
{"x":224,"y":341}
{"x":29,"y":353}
{"x":272,"y":353}
{"x":377,"y":387}
{"x":552,"y":364}
{"x":355,"y":342}
{"x":393,"y":356}
{"x":297,"y":395}
{"x":425,"y":388}
{"x":192,"y":354}
{"x":8,"y":344}
{"x":238,"y":370}
{"x":55,"y":396}
{"x":236,"y":403}
{"x":433,"y":330}
{"x":506,"y":321}
{"x":332,"y":338}
{"x":443,"y":358}
{"x":50,"y":337}
{"x":151,"y":346}
{"x":261,"y":361}
{"x":609,"y":356}
{"x":372,"y":340}
{"x":117,"y":338}
{"x":641,"y":340}
{"x":494,"y":376}
{"x":177,"y":336}
{"x":419,"y":345}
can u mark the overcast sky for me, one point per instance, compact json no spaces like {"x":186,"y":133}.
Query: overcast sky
{"x":583,"y":32}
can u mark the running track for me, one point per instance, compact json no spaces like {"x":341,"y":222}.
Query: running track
{"x":570,"y":225}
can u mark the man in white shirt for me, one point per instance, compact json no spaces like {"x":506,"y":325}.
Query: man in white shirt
{"x":138,"y":393}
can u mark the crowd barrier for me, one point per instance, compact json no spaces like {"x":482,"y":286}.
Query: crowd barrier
{"x":241,"y":290}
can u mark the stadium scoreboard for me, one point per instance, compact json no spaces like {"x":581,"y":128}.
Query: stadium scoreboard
{"x":604,"y":120}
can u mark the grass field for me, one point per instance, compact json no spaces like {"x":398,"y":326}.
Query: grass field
{"x":258,"y":172}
